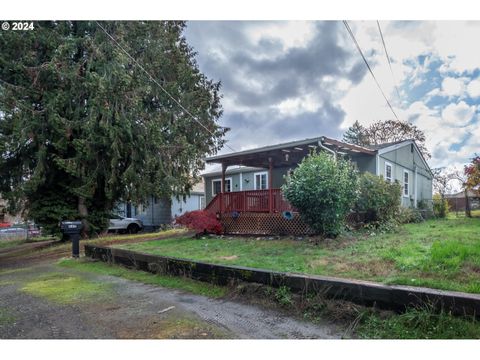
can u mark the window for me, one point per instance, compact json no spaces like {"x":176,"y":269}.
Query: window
{"x":388,"y":172}
{"x":261,"y":181}
{"x":217,"y":186}
{"x":406,"y":190}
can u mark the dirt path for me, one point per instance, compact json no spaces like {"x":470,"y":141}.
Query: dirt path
{"x":121,"y":308}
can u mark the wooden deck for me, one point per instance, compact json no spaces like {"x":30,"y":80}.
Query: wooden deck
{"x":252,"y":201}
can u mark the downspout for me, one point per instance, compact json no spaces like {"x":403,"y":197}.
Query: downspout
{"x":326,"y":148}
{"x":416,"y":175}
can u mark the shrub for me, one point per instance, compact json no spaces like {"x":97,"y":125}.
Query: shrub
{"x":379,"y":199}
{"x":201,"y":221}
{"x":323,"y":191}
{"x":440,"y":206}
{"x":408,"y":215}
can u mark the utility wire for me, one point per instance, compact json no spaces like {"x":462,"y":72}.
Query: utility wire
{"x":388,"y":58}
{"x":157,"y":83}
{"x":368,"y":66}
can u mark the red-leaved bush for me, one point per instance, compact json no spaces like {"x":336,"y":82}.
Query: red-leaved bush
{"x":201,"y":221}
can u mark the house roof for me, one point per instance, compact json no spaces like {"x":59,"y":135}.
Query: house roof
{"x":285,"y":154}
{"x":240,"y":169}
{"x":385,"y":145}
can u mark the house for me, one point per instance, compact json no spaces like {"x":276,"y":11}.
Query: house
{"x":249,"y":181}
{"x":156,"y":212}
{"x":457,"y":201}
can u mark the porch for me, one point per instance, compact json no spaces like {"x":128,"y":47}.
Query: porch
{"x":258,"y":201}
{"x":260,"y":210}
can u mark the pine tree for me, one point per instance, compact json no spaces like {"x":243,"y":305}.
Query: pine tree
{"x":355,"y":134}
{"x":82,"y":127}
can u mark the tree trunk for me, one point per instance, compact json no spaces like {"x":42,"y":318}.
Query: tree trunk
{"x":83,"y":211}
{"x":468,"y":213}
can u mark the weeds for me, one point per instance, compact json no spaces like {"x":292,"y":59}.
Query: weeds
{"x":283,"y":296}
{"x":416,"y":323}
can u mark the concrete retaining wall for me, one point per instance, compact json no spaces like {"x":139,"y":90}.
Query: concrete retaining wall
{"x":393,"y":297}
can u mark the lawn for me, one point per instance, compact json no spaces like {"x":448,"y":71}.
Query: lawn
{"x":440,"y":253}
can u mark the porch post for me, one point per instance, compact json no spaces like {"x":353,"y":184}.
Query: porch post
{"x":270,"y":182}
{"x":222,"y":187}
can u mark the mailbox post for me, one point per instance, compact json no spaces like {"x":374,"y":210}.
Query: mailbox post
{"x":73,"y":229}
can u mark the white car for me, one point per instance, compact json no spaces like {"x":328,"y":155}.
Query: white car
{"x":125,"y":225}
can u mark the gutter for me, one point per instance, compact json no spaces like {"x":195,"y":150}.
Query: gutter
{"x":326,"y":148}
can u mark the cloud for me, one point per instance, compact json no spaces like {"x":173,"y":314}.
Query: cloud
{"x":452,"y":86}
{"x":287,"y":80}
{"x":458,"y":114}
{"x":473,"y":88}
{"x":280,"y":80}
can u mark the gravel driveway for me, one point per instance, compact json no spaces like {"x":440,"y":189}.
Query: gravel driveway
{"x":134,"y":310}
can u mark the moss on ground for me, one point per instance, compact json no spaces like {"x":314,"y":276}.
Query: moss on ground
{"x":66,"y":289}
{"x":188,"y":328}
{"x":6,"y":318}
{"x":181,"y":283}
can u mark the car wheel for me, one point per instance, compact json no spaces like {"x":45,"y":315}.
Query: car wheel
{"x":133,"y":229}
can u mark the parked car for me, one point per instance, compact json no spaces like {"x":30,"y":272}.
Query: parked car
{"x":125,"y":225}
{"x":19,"y":231}
{"x":13,"y":232}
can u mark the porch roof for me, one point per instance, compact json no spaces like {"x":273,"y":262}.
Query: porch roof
{"x":286,"y":154}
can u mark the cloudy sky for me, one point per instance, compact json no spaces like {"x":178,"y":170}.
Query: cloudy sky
{"x":289,"y":80}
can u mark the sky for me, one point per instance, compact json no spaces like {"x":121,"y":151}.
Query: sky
{"x":290,"y":80}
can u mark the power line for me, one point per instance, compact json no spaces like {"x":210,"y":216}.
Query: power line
{"x":368,"y":66}
{"x":388,"y":58}
{"x":157,"y":83}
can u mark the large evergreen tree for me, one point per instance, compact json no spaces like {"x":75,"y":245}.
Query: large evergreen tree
{"x":355,"y":134}
{"x":81,"y":126}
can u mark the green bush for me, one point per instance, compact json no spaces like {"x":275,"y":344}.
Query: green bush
{"x":379,"y":199}
{"x":440,"y":206}
{"x":323,"y":190}
{"x":408,"y":215}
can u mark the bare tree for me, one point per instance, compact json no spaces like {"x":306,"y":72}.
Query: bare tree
{"x":442,"y":180}
{"x":387,"y":131}
{"x":462,"y":178}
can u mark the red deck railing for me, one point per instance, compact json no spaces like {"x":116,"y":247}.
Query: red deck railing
{"x":270,"y":200}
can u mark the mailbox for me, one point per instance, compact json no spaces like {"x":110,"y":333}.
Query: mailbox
{"x":73,"y":229}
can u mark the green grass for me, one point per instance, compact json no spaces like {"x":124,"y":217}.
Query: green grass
{"x":111,"y":238}
{"x":189,"y":285}
{"x":66,"y":289}
{"x":417,"y":324}
{"x":10,"y":243}
{"x":443,"y":254}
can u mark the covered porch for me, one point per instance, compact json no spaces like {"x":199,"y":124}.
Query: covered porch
{"x":285,"y":156}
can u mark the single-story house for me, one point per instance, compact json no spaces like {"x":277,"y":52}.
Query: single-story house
{"x":160,"y":211}
{"x":250,"y":180}
{"x":457,"y":201}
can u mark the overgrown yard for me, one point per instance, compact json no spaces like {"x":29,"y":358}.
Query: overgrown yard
{"x":441,"y":253}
